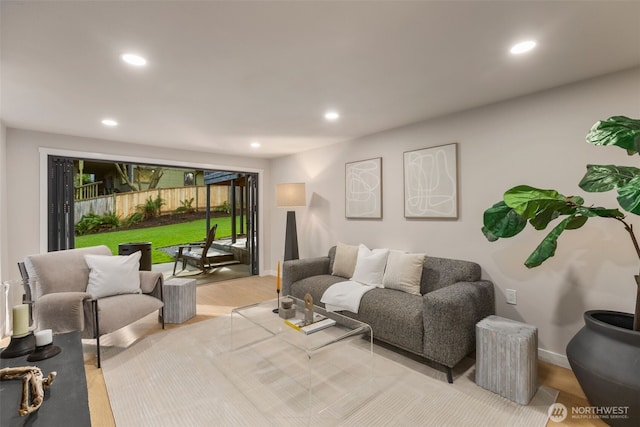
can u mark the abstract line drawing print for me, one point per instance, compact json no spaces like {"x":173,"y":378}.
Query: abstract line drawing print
{"x":430,"y":183}
{"x":363,"y":189}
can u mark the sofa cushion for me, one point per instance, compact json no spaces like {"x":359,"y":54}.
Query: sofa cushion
{"x":121,"y":310}
{"x":314,"y":285}
{"x":394,"y":316}
{"x":113,"y":275}
{"x":345,"y":260}
{"x":403,"y":272}
{"x":370,"y":266}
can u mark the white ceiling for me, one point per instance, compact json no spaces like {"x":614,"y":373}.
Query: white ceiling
{"x":223,"y":74}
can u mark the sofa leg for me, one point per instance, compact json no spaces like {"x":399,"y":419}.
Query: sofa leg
{"x":449,"y":375}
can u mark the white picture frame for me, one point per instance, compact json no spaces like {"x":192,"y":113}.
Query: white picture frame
{"x":431,"y":182}
{"x":363,"y":189}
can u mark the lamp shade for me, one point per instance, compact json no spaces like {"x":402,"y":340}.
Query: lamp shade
{"x":288,"y":195}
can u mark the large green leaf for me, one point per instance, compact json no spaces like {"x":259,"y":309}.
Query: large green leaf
{"x":577,"y":222}
{"x":502,"y":221}
{"x":529,"y":201}
{"x":620,"y":131}
{"x":601,"y":212}
{"x":629,"y":196}
{"x":547,"y":248}
{"x":552,"y":210}
{"x":601,"y":178}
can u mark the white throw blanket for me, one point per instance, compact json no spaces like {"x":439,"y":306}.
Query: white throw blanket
{"x":345,"y":296}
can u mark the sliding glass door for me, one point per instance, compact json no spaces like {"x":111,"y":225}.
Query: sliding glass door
{"x":60,"y":194}
{"x":252,"y":222}
{"x":78,"y":188}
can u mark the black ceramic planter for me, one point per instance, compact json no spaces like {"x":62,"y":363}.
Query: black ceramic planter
{"x":605,"y":357}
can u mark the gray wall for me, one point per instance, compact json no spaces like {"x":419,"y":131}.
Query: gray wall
{"x":536,"y":140}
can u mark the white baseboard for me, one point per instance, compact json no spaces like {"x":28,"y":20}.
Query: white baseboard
{"x":553,"y":358}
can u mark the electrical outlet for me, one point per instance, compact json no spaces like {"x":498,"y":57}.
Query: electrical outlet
{"x":511,"y":296}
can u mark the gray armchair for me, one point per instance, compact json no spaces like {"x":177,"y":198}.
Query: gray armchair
{"x":64,"y":304}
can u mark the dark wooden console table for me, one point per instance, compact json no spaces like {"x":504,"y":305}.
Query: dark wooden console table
{"x":66,"y":402}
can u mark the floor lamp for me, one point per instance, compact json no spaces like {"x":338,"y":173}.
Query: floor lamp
{"x":288,"y":196}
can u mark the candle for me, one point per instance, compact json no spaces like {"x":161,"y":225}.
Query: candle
{"x":43,"y":337}
{"x":278,"y":278}
{"x":20,"y":320}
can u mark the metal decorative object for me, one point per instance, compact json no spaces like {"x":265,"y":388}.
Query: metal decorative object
{"x":308,"y":309}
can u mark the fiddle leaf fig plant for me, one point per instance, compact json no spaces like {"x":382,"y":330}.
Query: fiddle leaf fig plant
{"x":522,"y":205}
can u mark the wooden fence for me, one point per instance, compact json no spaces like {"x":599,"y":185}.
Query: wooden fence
{"x":125,"y":204}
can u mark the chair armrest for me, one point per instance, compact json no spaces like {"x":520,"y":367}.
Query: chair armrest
{"x":298,"y":269}
{"x":62,"y":311}
{"x":151,"y":283}
{"x":450,"y":315}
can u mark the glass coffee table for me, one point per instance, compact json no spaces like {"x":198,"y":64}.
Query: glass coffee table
{"x":262,"y":315}
{"x":304,"y":376}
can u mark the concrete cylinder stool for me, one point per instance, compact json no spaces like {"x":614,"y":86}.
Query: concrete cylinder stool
{"x":179,"y":300}
{"x":507,"y":358}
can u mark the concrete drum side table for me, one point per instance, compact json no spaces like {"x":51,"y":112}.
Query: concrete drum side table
{"x":507,"y":358}
{"x":179,"y":300}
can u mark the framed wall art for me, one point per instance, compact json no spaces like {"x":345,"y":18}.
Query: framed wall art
{"x":363,"y":189}
{"x":431,"y":182}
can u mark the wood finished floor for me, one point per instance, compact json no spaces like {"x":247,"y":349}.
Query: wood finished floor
{"x":219,"y":298}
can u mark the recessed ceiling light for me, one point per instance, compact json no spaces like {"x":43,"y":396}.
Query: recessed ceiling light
{"x":133,"y":59}
{"x":523,"y":47}
{"x":331,"y":115}
{"x":255,"y":144}
{"x":109,"y":122}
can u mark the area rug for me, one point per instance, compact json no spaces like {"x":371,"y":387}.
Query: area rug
{"x":189,"y":377}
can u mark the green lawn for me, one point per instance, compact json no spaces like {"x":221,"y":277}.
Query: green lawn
{"x":167,"y":235}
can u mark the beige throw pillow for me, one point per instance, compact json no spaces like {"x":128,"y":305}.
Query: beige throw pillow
{"x":345,"y":260}
{"x":404,"y":272}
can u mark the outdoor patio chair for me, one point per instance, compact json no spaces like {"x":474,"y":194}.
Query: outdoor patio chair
{"x":201,"y":254}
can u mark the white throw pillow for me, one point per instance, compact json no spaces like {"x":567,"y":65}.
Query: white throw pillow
{"x":404,"y":272}
{"x":370,"y":266}
{"x":345,"y":260}
{"x":113,"y":275}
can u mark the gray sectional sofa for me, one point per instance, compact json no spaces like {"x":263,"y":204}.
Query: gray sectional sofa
{"x":438,"y":325}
